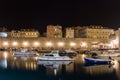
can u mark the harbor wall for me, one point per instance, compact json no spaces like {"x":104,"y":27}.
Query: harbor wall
{"x":42,"y":42}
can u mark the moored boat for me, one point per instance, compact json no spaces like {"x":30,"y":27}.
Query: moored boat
{"x":97,"y":61}
{"x":110,"y":53}
{"x":24,"y":52}
{"x":113,"y":53}
{"x":54,"y":55}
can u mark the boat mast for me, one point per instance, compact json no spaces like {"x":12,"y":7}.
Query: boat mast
{"x":119,"y":37}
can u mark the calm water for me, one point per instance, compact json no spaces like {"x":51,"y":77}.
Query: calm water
{"x":29,"y":68}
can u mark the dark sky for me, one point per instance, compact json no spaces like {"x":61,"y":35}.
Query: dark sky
{"x":16,"y":14}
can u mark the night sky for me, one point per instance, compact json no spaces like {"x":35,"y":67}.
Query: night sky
{"x":16,"y":14}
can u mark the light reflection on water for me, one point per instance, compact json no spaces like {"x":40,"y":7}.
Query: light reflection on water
{"x":31,"y":69}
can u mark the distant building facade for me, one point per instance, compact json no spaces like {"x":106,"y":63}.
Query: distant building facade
{"x":24,"y":33}
{"x":54,"y":31}
{"x":69,"y":32}
{"x":3,"y":29}
{"x":117,"y":38}
{"x":96,"y":32}
{"x":77,"y":31}
{"x":117,"y":33}
{"x":3,"y":32}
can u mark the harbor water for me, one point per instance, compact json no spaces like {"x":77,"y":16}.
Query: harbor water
{"x":30,"y":68}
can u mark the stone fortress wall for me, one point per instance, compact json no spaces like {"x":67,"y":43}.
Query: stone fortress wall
{"x":42,"y":42}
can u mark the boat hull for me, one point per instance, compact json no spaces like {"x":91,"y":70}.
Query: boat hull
{"x":97,"y":61}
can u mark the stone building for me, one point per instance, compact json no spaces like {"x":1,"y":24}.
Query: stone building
{"x":69,"y":32}
{"x":54,"y":31}
{"x":77,"y":31}
{"x":96,"y":32}
{"x":3,"y":32}
{"x":24,"y":33}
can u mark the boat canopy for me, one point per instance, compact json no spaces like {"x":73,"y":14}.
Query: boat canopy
{"x":55,"y":52}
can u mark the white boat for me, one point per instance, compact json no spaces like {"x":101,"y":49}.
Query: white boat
{"x":112,"y":53}
{"x":24,"y":52}
{"x":54,"y":55}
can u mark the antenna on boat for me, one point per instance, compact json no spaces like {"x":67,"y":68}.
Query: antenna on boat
{"x":119,"y":37}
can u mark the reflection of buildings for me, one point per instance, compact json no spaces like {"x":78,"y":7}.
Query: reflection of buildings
{"x":27,"y":63}
{"x":54,"y":31}
{"x":3,"y":63}
{"x":70,"y":68}
{"x":55,"y":67}
{"x":52,"y":71}
{"x":99,"y":69}
{"x":24,"y":63}
{"x":116,"y":66}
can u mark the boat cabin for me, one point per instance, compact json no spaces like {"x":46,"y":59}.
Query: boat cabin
{"x":53,"y":54}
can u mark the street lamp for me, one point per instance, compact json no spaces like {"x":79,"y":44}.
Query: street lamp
{"x":14,"y":43}
{"x":36,"y":44}
{"x":49,"y":44}
{"x":5,"y":43}
{"x":60,"y":44}
{"x":72,"y":44}
{"x":25,"y":43}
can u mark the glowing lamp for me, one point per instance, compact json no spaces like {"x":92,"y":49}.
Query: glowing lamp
{"x":60,"y":44}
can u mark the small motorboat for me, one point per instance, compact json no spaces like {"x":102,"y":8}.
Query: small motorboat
{"x":97,"y":61}
{"x":54,"y":55}
{"x":24,"y":52}
{"x":113,"y":53}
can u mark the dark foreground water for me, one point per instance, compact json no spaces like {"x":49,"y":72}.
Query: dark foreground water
{"x":29,"y":68}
